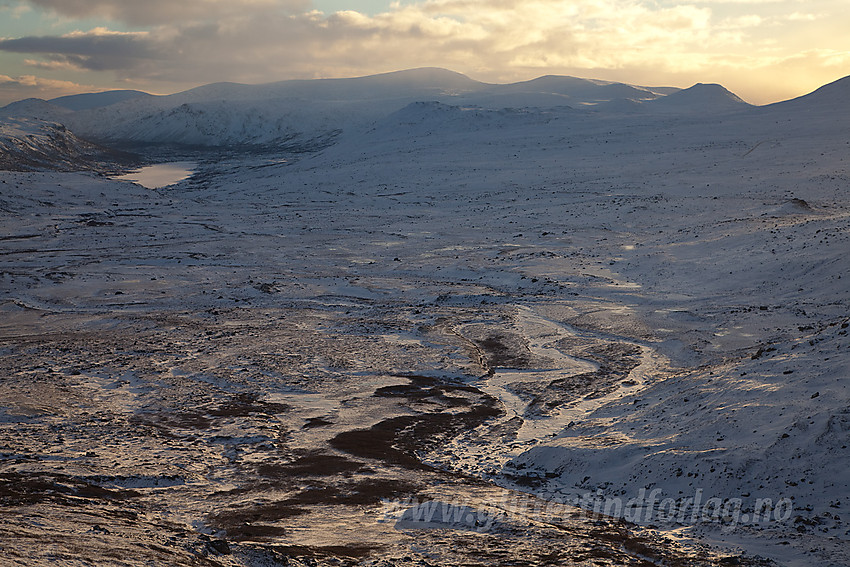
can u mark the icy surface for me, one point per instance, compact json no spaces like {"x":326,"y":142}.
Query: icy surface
{"x":160,"y":175}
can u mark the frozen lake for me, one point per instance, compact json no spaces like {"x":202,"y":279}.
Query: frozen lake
{"x":161,"y":174}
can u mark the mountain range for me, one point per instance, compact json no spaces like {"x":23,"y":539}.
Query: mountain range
{"x":298,"y":115}
{"x":310,"y":113}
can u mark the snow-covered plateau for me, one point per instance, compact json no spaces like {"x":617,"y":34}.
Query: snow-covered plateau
{"x":414,"y":319}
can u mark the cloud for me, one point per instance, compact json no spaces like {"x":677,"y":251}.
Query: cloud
{"x":95,"y":42}
{"x":57,"y":65}
{"x":29,"y":86}
{"x":96,"y":50}
{"x":189,"y":43}
{"x":741,"y":22}
{"x":15,"y":11}
{"x":30,"y":81}
{"x":468,"y":35}
{"x":155,"y":12}
{"x":801,"y":17}
{"x":262,"y":39}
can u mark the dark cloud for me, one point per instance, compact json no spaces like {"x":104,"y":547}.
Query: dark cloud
{"x":94,"y":51}
{"x":262,"y":42}
{"x":119,"y":45}
{"x":155,"y":12}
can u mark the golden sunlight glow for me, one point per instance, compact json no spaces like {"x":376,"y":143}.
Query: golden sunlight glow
{"x":763,"y":51}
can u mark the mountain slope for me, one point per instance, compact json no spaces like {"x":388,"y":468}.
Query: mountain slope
{"x":833,"y":96}
{"x":28,"y":144}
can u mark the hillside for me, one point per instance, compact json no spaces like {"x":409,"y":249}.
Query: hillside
{"x":28,"y":144}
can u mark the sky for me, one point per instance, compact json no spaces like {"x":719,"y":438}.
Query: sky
{"x":763,"y":50}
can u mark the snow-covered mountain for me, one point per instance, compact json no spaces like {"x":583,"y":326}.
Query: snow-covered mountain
{"x":311,"y":113}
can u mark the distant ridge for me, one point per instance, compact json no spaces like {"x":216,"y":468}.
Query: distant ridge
{"x":702,"y":97}
{"x":425,"y":81}
{"x":585,"y":90}
{"x":88,"y":101}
